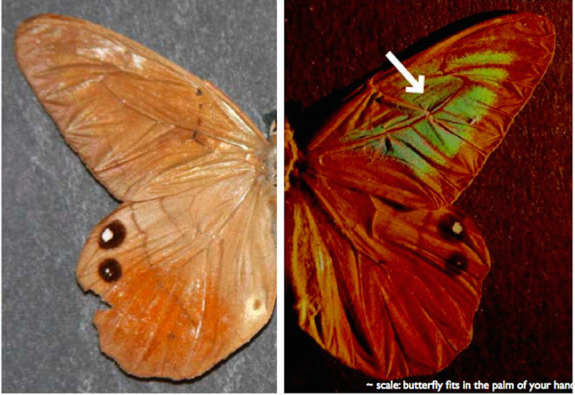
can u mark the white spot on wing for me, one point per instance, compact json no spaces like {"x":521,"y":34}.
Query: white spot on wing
{"x":457,"y":228}
{"x":107,"y":235}
{"x":138,"y":61}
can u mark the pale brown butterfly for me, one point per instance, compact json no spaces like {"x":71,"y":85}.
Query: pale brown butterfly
{"x":187,"y":262}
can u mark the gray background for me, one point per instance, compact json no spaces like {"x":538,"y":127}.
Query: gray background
{"x":51,"y":202}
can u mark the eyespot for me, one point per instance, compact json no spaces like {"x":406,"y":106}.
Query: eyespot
{"x":110,"y":270}
{"x":113,"y":235}
{"x":451,"y":227}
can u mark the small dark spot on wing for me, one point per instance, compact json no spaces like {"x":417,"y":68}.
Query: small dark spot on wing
{"x":396,"y":206}
{"x":471,"y":121}
{"x":110,"y":270}
{"x":388,"y":147}
{"x":199,"y":92}
{"x":113,"y":235}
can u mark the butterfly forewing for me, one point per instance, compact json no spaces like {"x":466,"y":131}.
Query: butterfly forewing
{"x":130,"y":114}
{"x":423,"y":150}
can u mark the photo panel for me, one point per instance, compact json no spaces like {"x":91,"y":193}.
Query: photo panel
{"x":428,"y":235}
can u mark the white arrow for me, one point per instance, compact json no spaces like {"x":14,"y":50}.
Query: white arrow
{"x":416,"y":86}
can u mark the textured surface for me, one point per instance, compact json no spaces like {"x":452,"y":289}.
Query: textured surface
{"x":51,"y":202}
{"x":521,"y":201}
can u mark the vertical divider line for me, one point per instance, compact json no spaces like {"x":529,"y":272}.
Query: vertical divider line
{"x":280,"y":197}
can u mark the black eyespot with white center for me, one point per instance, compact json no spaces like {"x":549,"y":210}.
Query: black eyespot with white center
{"x":113,"y":235}
{"x":451,"y":227}
{"x":110,"y":270}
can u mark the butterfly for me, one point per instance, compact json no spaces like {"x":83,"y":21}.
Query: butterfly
{"x":187,"y":262}
{"x":386,"y":273}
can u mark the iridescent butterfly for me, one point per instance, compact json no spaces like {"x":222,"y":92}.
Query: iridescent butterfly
{"x":385,"y":272}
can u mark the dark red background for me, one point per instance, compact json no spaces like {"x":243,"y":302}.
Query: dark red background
{"x":521,"y":200}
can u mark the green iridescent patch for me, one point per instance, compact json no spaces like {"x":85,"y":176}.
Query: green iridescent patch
{"x":477,"y":59}
{"x":458,"y":106}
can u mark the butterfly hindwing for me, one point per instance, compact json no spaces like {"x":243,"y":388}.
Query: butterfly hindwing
{"x":388,"y":290}
{"x":189,"y":278}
